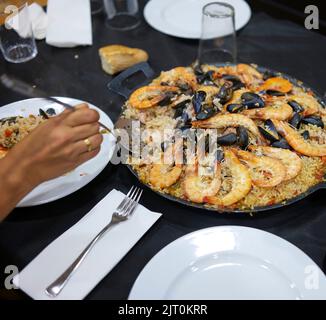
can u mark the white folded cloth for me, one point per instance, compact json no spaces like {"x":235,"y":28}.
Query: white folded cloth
{"x":69,"y":23}
{"x":58,"y":255}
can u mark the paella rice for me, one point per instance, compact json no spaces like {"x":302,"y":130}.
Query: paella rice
{"x":14,"y":129}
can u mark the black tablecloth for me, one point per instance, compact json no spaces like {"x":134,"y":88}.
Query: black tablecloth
{"x":278,"y":44}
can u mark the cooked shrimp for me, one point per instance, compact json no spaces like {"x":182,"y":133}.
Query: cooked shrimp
{"x":277,"y":111}
{"x":197,"y":187}
{"x":241,"y":182}
{"x":245,"y":72}
{"x":228,"y":120}
{"x":297,"y":142}
{"x":219,"y":71}
{"x":308,"y":102}
{"x":291,"y":161}
{"x":248,"y":73}
{"x":265,"y":172}
{"x":149,"y":96}
{"x":277,"y":84}
{"x":178,"y":76}
{"x":164,"y":175}
{"x":168,"y":170}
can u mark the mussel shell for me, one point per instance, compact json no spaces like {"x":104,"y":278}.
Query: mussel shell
{"x":269,"y":74}
{"x":185,"y":116}
{"x":305,"y":134}
{"x":210,"y":75}
{"x":227,"y":140}
{"x":243,"y":137}
{"x":9,"y":120}
{"x":236,"y":82}
{"x":295,"y":106}
{"x":282,"y":143}
{"x":178,"y":113}
{"x":314,"y":120}
{"x":43,"y":114}
{"x":274,"y":93}
{"x":182,"y":104}
{"x":235,"y":107}
{"x":225,"y":93}
{"x":230,"y":77}
{"x":269,"y":131}
{"x":167,"y":99}
{"x":237,"y":86}
{"x":198,"y":69}
{"x":206,"y":113}
{"x":179,"y":108}
{"x":252,"y":100}
{"x":296,"y":120}
{"x":185,"y":127}
{"x":197,"y":100}
{"x":219,"y":155}
{"x":51,"y":112}
{"x":207,"y":77}
{"x":201,"y":78}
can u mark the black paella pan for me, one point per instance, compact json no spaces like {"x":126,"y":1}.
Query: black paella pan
{"x":121,"y":85}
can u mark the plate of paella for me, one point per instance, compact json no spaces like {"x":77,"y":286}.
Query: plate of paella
{"x":18,"y":119}
{"x":234,"y":138}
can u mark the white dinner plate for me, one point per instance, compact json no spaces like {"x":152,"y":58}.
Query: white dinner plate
{"x":230,"y":263}
{"x":76,"y":179}
{"x":182,"y":18}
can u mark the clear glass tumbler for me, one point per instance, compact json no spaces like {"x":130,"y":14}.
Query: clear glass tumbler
{"x":122,"y":14}
{"x":17,"y":41}
{"x":96,"y":6}
{"x":218,"y":38}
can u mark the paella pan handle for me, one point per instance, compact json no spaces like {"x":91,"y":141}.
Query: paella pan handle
{"x":119,"y":84}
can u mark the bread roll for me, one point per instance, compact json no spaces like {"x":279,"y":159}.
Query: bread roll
{"x":116,"y":58}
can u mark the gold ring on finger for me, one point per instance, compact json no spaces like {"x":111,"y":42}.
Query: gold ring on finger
{"x":89,"y":145}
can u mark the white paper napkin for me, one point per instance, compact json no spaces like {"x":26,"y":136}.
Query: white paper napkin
{"x":57,"y":256}
{"x":69,"y":23}
{"x":39,"y":20}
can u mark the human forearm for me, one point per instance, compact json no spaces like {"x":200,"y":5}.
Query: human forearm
{"x":54,"y":148}
{"x":14,"y":184}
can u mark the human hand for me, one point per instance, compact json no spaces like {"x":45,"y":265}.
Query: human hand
{"x":57,"y":146}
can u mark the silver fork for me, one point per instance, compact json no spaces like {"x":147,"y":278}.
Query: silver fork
{"x":125,"y":209}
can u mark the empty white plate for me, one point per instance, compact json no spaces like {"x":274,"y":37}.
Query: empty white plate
{"x":182,"y":18}
{"x":62,"y":186}
{"x":230,"y":263}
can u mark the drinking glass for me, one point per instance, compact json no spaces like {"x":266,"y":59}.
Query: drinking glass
{"x":17,"y":41}
{"x":218,"y":39}
{"x":122,"y":14}
{"x":96,"y":6}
